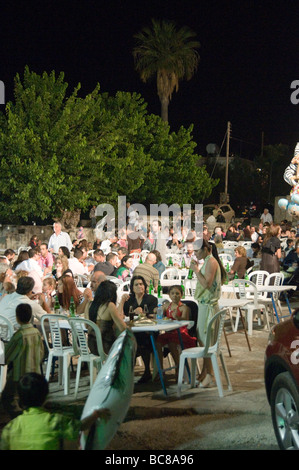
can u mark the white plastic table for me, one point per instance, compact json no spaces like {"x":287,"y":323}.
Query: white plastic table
{"x":158,"y":327}
{"x":271,"y":289}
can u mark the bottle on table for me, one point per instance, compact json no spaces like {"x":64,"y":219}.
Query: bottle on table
{"x":140,"y":260}
{"x":145,"y":310}
{"x":131,"y":314}
{"x":246,"y":277}
{"x":151,"y":288}
{"x":170,"y":262}
{"x":72,"y":308}
{"x":159,"y":290}
{"x":159,"y":315}
{"x":190,"y":274}
{"x":183,"y":264}
{"x":236,"y":277}
{"x":183,"y":289}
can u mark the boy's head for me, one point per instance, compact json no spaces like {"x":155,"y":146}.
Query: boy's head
{"x":33,"y":389}
{"x":23,"y":313}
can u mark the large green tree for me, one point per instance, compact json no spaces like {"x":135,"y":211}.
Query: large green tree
{"x":60,"y":151}
{"x":167,"y":53}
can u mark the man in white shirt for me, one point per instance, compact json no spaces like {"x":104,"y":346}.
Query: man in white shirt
{"x":31,"y":264}
{"x":59,"y":239}
{"x":22,"y":295}
{"x":76,"y":263}
{"x":266,"y":217}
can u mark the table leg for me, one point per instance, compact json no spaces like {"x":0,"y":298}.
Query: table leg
{"x":158,"y":362}
{"x":274,"y":306}
{"x":288,"y":302}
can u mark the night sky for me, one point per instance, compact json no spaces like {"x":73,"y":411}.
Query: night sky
{"x":249,"y":58}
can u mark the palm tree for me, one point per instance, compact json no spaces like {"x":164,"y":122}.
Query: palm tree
{"x":167,"y":53}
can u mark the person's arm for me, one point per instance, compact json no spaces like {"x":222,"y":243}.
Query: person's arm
{"x":120,"y":324}
{"x":87,"y":294}
{"x":185,"y":312}
{"x":207,"y":279}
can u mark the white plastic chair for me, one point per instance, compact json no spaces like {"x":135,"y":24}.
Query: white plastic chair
{"x":6,"y":332}
{"x":63,"y":353}
{"x":225,"y":258}
{"x":144,"y":254}
{"x":254,"y":303}
{"x":23,"y":248}
{"x":80,"y":346}
{"x":123,"y":288}
{"x":259,"y":278}
{"x":229,"y":244}
{"x":171,"y":273}
{"x":274,"y":279}
{"x":190,"y":286}
{"x":211,"y":351}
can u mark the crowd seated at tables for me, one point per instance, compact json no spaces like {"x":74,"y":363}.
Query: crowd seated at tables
{"x":55,"y":270}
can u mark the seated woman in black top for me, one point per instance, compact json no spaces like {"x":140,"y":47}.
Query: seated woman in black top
{"x":138,"y":298}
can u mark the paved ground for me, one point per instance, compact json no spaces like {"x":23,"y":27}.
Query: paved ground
{"x":194,"y":418}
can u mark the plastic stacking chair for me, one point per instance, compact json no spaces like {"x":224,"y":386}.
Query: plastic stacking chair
{"x":80,"y":346}
{"x":211,"y":351}
{"x":254,"y":304}
{"x":6,"y":332}
{"x":274,"y":279}
{"x":56,"y":349}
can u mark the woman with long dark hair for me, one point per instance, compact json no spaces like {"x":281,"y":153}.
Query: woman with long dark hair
{"x":104,"y":313}
{"x":210,"y":277}
{"x":67,"y":288}
{"x":138,"y":299}
{"x":271,"y":250}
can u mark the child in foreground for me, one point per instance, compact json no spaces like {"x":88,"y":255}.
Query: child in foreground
{"x":37,"y":428}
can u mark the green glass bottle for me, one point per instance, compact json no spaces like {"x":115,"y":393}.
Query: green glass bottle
{"x":236,"y":277}
{"x":159,"y":290}
{"x":140,"y":260}
{"x":72,"y":308}
{"x":246,"y":279}
{"x":170,"y":263}
{"x":183,"y":264}
{"x":190,"y":273}
{"x":183,"y":289}
{"x":151,"y":288}
{"x":227,"y":268}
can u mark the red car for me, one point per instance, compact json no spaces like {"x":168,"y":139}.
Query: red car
{"x":282,"y":381}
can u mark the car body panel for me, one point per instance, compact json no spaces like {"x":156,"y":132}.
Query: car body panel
{"x":227,"y":211}
{"x":281,"y":353}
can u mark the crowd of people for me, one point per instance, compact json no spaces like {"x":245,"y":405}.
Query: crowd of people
{"x":49,"y":272}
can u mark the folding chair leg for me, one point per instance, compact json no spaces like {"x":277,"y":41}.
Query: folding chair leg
{"x":78,"y":376}
{"x":217,"y":374}
{"x":229,"y":385}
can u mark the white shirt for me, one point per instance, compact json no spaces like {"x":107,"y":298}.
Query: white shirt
{"x":105,"y":246}
{"x":56,"y":241}
{"x":30,"y":265}
{"x":266,"y":218}
{"x":77,"y":267}
{"x":9,"y":303}
{"x":254,"y":237}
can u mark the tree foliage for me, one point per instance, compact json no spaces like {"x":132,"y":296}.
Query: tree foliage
{"x":61,"y":151}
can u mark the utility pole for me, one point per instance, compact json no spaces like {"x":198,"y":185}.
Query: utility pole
{"x":227,"y":159}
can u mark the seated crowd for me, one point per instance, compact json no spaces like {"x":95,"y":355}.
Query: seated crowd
{"x":55,"y":271}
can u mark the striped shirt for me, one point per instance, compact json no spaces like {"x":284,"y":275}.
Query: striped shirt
{"x":24,"y":352}
{"x":148,"y":272}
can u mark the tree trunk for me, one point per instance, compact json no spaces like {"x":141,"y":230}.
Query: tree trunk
{"x":69,"y":219}
{"x":164,"y":108}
